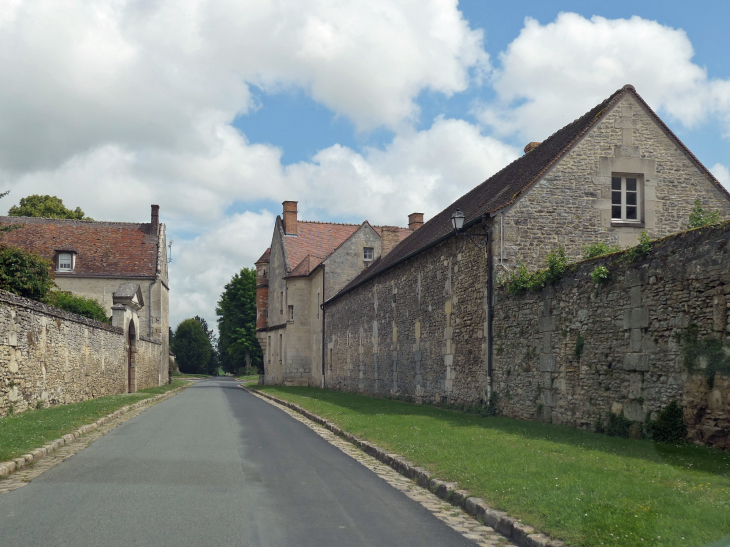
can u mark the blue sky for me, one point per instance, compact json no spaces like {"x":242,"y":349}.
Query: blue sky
{"x":218,"y":110}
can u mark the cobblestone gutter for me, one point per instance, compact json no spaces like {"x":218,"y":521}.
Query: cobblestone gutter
{"x":115,"y":418}
{"x":517,"y":532}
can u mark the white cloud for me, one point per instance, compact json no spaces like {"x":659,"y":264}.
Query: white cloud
{"x":553,"y":73}
{"x":203,"y":266}
{"x":722,"y":174}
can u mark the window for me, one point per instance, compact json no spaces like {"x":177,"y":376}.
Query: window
{"x":367,"y":253}
{"x":626,"y":198}
{"x":291,"y":313}
{"x":317,"y":303}
{"x":269,"y":349}
{"x":65,"y":262}
{"x":266,"y":314}
{"x":281,"y":346}
{"x":281,"y":303}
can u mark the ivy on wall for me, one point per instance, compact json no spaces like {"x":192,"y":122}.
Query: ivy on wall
{"x":707,"y":356}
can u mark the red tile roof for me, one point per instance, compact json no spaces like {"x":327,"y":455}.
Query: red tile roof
{"x":113,"y":249}
{"x":315,"y":241}
{"x":264,"y":257}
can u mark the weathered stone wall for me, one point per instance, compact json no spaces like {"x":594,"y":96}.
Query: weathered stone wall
{"x":578,"y":350}
{"x":56,"y":357}
{"x":571,"y":204}
{"x":419,"y":330}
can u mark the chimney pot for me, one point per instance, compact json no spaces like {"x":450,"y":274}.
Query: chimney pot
{"x":415,"y":221}
{"x":389,"y":238}
{"x":155,"y":217}
{"x":290,"y":217}
{"x":530,"y":147}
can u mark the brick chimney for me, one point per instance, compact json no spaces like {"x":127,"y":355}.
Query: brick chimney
{"x":155,"y":218}
{"x":415,"y":221}
{"x":389,"y":238}
{"x":290,"y":217}
{"x":530,"y":147}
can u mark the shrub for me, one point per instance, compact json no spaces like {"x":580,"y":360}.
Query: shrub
{"x":600,"y":274}
{"x":699,"y":217}
{"x":557,"y":265}
{"x":521,"y":279}
{"x":24,"y":273}
{"x":641,"y":249}
{"x":669,"y":427}
{"x":599,"y":249}
{"x":80,"y":305}
{"x":518,"y":281}
{"x":618,"y":425}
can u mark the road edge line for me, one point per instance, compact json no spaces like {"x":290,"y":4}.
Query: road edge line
{"x":16,"y":464}
{"x":511,"y":528}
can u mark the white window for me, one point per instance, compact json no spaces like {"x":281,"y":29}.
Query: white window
{"x":367,"y":253}
{"x":626,"y":198}
{"x":65,"y":262}
{"x":291,"y":313}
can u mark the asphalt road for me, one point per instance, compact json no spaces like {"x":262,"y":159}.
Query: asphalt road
{"x":215,"y":465}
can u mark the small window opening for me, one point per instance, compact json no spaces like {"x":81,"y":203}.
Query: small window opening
{"x":291,"y":313}
{"x":65,"y":262}
{"x":367,"y":253}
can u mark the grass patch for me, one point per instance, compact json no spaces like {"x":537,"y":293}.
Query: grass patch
{"x":249,"y":379}
{"x":583,"y":487}
{"x":33,"y":428}
{"x":185,"y":375}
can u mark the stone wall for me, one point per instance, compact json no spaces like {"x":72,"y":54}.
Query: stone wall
{"x":420,"y":330}
{"x":571,"y":204}
{"x":579,"y":350}
{"x":56,"y":357}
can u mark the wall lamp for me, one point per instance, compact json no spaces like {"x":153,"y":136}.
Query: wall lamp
{"x":457,"y":223}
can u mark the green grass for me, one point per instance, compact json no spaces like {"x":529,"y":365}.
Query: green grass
{"x":582,"y":487}
{"x":249,"y":379}
{"x":21,"y":433}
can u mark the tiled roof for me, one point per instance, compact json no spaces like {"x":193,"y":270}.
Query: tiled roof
{"x":317,"y":240}
{"x":506,"y":187}
{"x":264,"y":257}
{"x":114,"y":249}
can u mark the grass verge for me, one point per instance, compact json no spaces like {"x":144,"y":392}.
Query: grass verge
{"x":249,"y":379}
{"x":21,"y":433}
{"x":582,"y":487}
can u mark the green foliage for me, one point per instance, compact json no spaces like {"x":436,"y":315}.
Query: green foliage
{"x":191,"y":347}
{"x":214,"y":363}
{"x":669,"y":426}
{"x":238,"y":346}
{"x":80,"y":305}
{"x":599,"y":249}
{"x":600,"y":274}
{"x":521,"y":279}
{"x":618,"y":425}
{"x":24,"y":273}
{"x":579,"y":345}
{"x":641,"y":249}
{"x":707,"y":357}
{"x":700,"y":217}
{"x":45,"y":207}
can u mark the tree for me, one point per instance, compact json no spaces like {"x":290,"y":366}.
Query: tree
{"x":213,"y":339}
{"x":10,"y":227}
{"x":24,"y":273}
{"x":46,"y":207}
{"x":80,"y":305}
{"x":238,"y":346}
{"x":191,"y":347}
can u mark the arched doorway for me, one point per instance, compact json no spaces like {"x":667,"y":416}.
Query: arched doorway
{"x":131,"y":337}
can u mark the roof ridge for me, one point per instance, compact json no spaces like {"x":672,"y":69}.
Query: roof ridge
{"x":17,"y":219}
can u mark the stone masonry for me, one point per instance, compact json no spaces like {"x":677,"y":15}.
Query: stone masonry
{"x":56,"y":357}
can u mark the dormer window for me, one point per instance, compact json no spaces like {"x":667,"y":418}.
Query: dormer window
{"x":367,"y":254}
{"x":65,"y":262}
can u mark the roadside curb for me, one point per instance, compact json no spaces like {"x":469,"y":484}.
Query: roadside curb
{"x":16,"y":464}
{"x":511,"y":528}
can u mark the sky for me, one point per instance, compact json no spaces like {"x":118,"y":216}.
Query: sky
{"x":219,"y":110}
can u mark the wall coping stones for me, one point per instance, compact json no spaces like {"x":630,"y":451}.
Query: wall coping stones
{"x":8,"y":467}
{"x":34,"y":305}
{"x":521,"y":534}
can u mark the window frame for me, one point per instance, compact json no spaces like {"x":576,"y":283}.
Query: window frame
{"x":72,"y":261}
{"x":365,"y":254}
{"x":290,"y":314}
{"x":625,"y":194}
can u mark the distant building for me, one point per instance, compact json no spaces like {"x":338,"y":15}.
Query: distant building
{"x":93,"y":259}
{"x":307,"y":263}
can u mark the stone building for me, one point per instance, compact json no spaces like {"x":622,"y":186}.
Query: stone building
{"x":420,"y":320}
{"x":307,"y":263}
{"x":93,"y":259}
